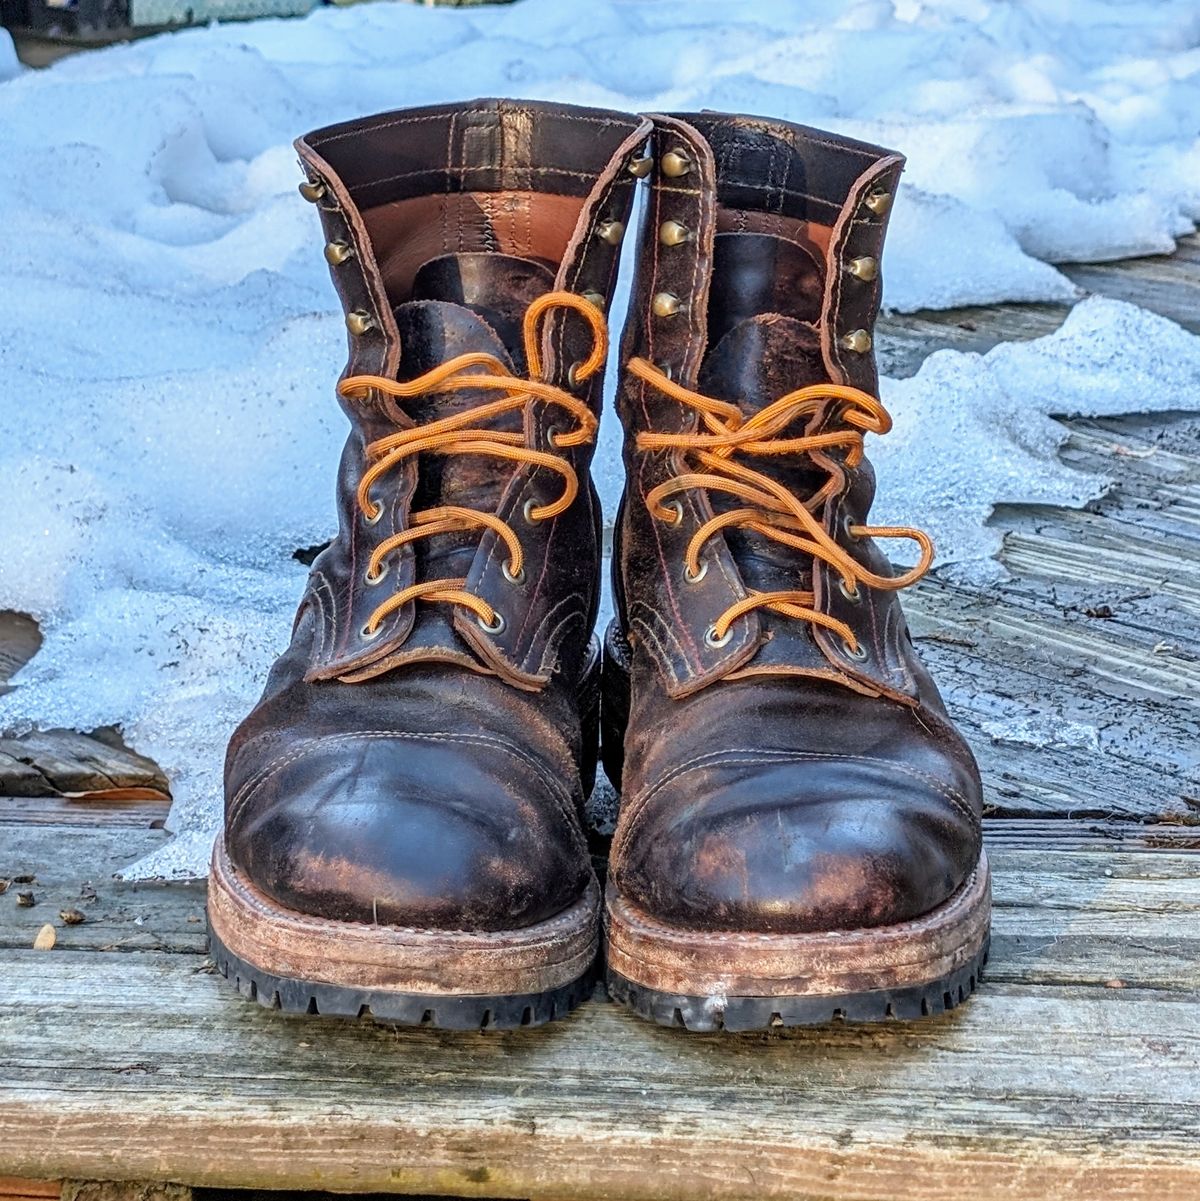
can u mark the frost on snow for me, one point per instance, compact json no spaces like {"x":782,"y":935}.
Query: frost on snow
{"x":168,"y":340}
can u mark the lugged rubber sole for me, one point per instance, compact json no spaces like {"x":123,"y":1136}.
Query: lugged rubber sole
{"x":743,"y":1014}
{"x":400,"y":1009}
{"x":742,"y":981}
{"x":452,"y":979}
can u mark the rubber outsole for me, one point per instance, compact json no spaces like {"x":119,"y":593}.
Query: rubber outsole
{"x":399,"y":1009}
{"x":745,"y":1014}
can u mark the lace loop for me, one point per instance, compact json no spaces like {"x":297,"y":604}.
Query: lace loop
{"x":466,"y":433}
{"x":770,"y":508}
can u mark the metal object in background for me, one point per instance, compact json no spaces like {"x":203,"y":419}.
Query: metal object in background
{"x":90,"y":21}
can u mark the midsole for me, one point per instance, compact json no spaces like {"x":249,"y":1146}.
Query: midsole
{"x":736,"y":963}
{"x":358,"y":955}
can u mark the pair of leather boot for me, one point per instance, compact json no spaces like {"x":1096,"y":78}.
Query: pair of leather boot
{"x":799,"y":832}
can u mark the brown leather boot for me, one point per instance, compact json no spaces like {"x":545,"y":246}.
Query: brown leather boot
{"x":799,"y":835}
{"x":403,"y":806}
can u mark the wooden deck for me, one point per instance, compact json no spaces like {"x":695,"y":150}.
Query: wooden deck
{"x":1075,"y":1072}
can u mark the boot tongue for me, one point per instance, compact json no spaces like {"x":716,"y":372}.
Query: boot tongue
{"x":761,"y":273}
{"x":765,"y":299}
{"x":463,"y":303}
{"x":761,"y":359}
{"x":497,"y":287}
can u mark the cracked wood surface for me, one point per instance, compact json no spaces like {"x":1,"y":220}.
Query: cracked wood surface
{"x":1074,"y":1074}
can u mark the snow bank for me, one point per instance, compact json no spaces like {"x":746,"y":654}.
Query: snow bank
{"x":168,"y":342}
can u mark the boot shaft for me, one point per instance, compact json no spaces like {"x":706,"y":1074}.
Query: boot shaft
{"x":760,"y":276}
{"x":442,"y":226}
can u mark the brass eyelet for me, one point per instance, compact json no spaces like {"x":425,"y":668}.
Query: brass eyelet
{"x":528,"y":509}
{"x":853,"y":595}
{"x":513,"y":577}
{"x":665,"y":304}
{"x":369,"y":520}
{"x":611,"y":231}
{"x":367,"y":633}
{"x":573,"y":380}
{"x":698,"y":576}
{"x":496,"y":627}
{"x":639,"y":168}
{"x":673,"y":233}
{"x":313,"y":190}
{"x":711,"y":639}
{"x":856,"y":654}
{"x":879,"y":202}
{"x":337,"y":252}
{"x":848,"y":528}
{"x":675,"y":163}
{"x":378,"y":578}
{"x":359,"y":322}
{"x":865,"y":268}
{"x":676,"y":507}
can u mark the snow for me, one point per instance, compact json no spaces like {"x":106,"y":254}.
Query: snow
{"x":169,"y":342}
{"x":981,"y":427}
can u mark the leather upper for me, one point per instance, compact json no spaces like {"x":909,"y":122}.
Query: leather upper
{"x":423,"y":770}
{"x":771,"y":780}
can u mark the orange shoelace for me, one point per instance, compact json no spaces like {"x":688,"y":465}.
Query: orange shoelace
{"x":463,"y":434}
{"x":772,"y":509}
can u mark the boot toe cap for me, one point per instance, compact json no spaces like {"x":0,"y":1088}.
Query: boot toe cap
{"x":449,"y":834}
{"x":797,"y":844}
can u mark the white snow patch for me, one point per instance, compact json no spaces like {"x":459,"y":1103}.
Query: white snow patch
{"x":973,"y":431}
{"x":1042,"y":730}
{"x":168,"y":434}
{"x":10,"y":65}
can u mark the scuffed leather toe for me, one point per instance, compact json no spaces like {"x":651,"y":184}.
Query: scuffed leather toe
{"x":794,"y":842}
{"x":388,"y":828}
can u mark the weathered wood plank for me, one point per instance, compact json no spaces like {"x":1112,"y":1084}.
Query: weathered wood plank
{"x":20,"y":1188}
{"x":961,"y":1105}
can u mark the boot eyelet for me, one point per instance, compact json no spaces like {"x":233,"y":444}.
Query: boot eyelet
{"x":378,"y":578}
{"x":675,"y":163}
{"x":513,"y":577}
{"x":367,"y":634}
{"x":369,"y":520}
{"x":676,"y":508}
{"x":573,"y":380}
{"x":553,"y":433}
{"x":847,"y":523}
{"x":858,"y":655}
{"x":528,"y":509}
{"x":665,"y":304}
{"x":496,"y":627}
{"x":697,"y":576}
{"x":711,"y":639}
{"x":853,"y":595}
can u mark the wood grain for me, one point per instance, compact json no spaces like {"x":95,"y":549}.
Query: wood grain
{"x":1072,"y":1074}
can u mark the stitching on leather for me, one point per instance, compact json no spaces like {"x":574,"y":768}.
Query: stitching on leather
{"x":746,"y":937}
{"x":320,"y":586}
{"x":461,"y":173}
{"x":424,"y":119}
{"x":644,"y":464}
{"x":546,"y":929}
{"x":652,"y":629}
{"x":751,"y":756}
{"x":243,"y":795}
